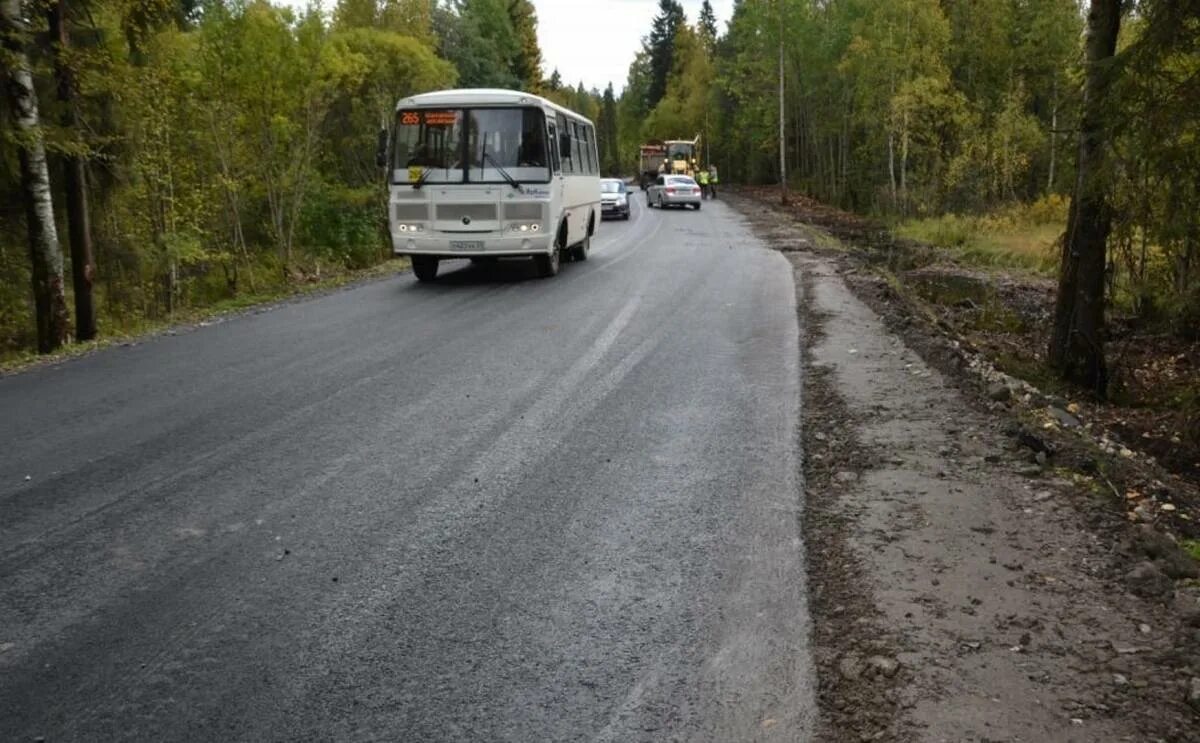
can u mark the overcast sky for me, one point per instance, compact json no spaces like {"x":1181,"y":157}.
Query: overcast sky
{"x":595,"y":40}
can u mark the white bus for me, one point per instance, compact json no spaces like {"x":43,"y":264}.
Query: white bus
{"x":484,"y":174}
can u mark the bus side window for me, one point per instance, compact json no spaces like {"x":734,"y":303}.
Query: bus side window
{"x":577,"y":155}
{"x":554,"y":162}
{"x":585,"y":149}
{"x":593,"y":160}
{"x":569,"y":166}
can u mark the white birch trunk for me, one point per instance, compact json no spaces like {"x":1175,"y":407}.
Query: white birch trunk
{"x":45,"y":252}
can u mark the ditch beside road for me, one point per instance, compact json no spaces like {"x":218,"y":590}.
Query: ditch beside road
{"x":964,"y":588}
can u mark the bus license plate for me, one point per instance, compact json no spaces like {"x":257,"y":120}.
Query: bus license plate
{"x":466,"y":245}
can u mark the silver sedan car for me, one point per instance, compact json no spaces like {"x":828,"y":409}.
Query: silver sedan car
{"x":674,"y":190}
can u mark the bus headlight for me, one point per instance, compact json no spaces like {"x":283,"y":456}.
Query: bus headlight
{"x":411,"y":227}
{"x":525,"y":226}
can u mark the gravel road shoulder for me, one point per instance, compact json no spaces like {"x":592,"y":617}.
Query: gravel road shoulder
{"x":960,"y":593}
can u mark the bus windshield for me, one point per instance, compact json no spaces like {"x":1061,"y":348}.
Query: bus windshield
{"x":476,"y":145}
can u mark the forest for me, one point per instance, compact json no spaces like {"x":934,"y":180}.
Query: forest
{"x":1075,"y":119}
{"x":212,"y":152}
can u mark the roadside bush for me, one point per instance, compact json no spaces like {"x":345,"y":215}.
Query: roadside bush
{"x":1185,"y":315}
{"x":1022,"y":236}
{"x":16,"y":302}
{"x":344,"y":226}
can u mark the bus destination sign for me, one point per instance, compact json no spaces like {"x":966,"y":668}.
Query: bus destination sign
{"x":429,"y":118}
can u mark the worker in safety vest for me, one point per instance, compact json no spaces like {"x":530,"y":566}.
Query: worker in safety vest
{"x":713,"y":180}
{"x":702,"y":179}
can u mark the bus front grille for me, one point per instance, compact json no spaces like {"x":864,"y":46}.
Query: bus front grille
{"x":410,"y":212}
{"x":522,"y":212}
{"x":473,"y":212}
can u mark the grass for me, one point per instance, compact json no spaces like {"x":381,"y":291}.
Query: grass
{"x":1192,"y":547}
{"x":1020,"y":237}
{"x":131,"y":329}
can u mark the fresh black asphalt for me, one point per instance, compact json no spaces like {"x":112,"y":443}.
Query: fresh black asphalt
{"x":494,"y":508}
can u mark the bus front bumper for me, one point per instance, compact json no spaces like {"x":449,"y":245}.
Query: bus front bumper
{"x":472,"y":245}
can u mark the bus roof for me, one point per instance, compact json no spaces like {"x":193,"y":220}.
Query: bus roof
{"x":484,"y":97}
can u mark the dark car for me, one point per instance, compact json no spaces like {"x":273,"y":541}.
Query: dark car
{"x":614,"y":198}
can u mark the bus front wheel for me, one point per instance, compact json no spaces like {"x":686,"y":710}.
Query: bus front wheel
{"x":547,"y":265}
{"x":580,"y":251}
{"x":425,"y":267}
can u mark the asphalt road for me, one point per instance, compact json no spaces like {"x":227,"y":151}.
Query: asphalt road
{"x":494,"y":508}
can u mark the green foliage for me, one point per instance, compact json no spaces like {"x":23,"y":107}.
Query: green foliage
{"x":342,"y":227}
{"x":660,"y":49}
{"x":1192,"y":547}
{"x":1018,"y":236}
{"x":917,"y":109}
{"x":608,"y":134}
{"x":526,"y":62}
{"x":480,"y":39}
{"x":232,"y":150}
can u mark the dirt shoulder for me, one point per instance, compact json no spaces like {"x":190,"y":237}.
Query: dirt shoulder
{"x":964,"y":585}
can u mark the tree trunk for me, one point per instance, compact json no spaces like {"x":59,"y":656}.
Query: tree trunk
{"x":1077,"y":347}
{"x":891,"y":153}
{"x":1053,"y":135}
{"x":904,"y":163}
{"x":783,"y":184}
{"x":45,"y":254}
{"x":75,"y":181}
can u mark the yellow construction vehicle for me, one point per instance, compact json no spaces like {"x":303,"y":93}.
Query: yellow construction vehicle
{"x":683,"y":156}
{"x":674,"y":156}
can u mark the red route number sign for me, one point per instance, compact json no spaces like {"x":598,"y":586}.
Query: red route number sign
{"x":429,"y":118}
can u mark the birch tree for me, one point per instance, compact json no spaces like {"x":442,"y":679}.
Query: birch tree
{"x":44,"y":250}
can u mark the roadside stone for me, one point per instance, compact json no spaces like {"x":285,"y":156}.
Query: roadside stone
{"x":1043,"y":495}
{"x":1154,"y":543}
{"x":1147,"y":581}
{"x":1063,"y":418}
{"x":1188,"y":609}
{"x":1179,"y":565}
{"x":886,"y":666}
{"x":851,"y":666}
{"x":1120,"y":679}
{"x":1194,"y":695}
{"x":999,"y":392}
{"x":1031,"y":440}
{"x":846,"y":476}
{"x":1030,"y":470}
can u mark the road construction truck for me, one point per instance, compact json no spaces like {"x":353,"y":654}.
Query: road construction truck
{"x":653,"y":153}
{"x":672,"y":156}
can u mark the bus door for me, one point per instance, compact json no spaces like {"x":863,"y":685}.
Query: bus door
{"x":557,"y":184}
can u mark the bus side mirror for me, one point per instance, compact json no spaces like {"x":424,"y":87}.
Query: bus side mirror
{"x":381,"y":149}
{"x":564,"y":144}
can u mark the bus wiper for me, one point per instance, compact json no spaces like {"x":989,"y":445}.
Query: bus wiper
{"x":485,"y":157}
{"x":420,"y":181}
